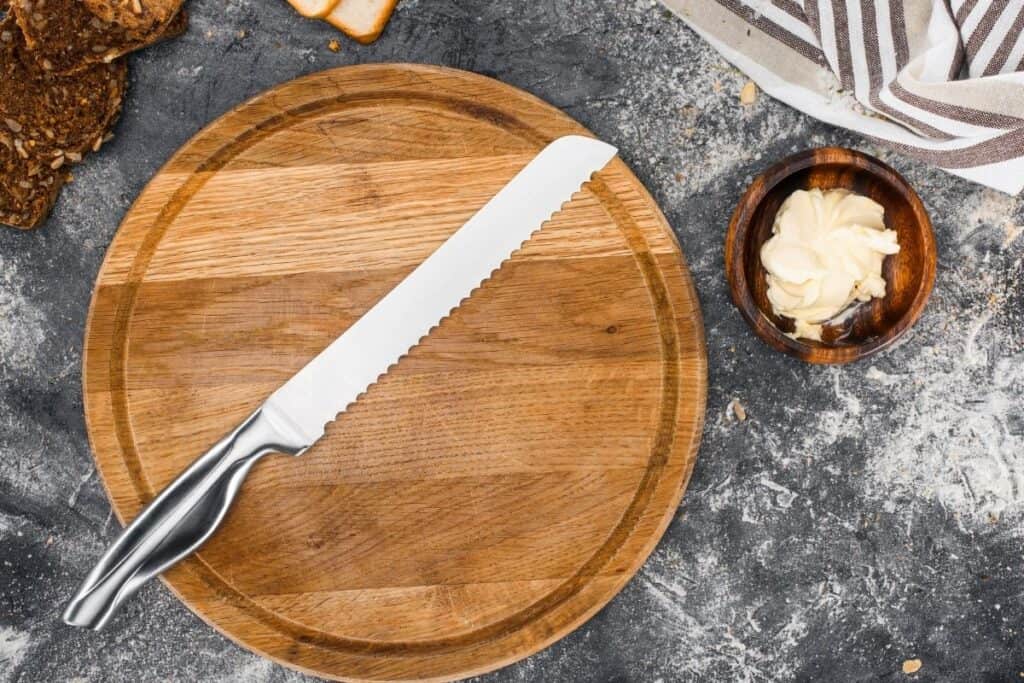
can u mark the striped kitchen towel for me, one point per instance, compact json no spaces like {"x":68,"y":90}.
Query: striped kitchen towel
{"x":938,"y":80}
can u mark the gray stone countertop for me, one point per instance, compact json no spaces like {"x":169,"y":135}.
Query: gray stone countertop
{"x":859,"y":517}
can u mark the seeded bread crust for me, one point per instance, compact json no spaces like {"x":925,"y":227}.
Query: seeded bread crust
{"x":47,"y":123}
{"x":25,"y":201}
{"x":137,"y":16}
{"x":64,"y":37}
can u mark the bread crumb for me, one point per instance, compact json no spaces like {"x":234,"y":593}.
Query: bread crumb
{"x":738,"y":411}
{"x":911,"y":666}
{"x":748,"y":95}
{"x":334,"y":46}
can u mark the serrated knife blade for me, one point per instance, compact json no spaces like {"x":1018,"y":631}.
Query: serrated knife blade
{"x":191,"y":508}
{"x":354,"y":361}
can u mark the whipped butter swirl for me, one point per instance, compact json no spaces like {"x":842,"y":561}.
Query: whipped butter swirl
{"x":826,"y":252}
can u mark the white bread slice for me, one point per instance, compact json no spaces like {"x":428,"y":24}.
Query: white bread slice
{"x":363,"y":20}
{"x":314,"y":9}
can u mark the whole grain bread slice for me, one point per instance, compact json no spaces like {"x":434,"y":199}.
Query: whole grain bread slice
{"x":26,"y":200}
{"x":65,"y":37}
{"x":47,"y":123}
{"x":55,"y":112}
{"x":141,"y":17}
{"x":363,"y":20}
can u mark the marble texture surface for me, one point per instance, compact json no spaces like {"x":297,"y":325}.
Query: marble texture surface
{"x":859,"y":517}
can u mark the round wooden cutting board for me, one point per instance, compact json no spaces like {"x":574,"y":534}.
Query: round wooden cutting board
{"x":500,"y":484}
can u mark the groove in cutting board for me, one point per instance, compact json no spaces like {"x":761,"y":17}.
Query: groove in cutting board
{"x":495,"y":489}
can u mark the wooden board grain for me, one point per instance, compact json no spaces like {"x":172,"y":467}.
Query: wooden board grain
{"x":496,"y":488}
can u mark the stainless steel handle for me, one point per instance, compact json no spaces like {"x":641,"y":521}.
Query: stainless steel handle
{"x":180,"y":519}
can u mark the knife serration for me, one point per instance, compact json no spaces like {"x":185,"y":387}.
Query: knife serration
{"x":353,"y":362}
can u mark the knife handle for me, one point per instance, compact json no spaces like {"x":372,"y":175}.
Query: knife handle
{"x":181,"y":518}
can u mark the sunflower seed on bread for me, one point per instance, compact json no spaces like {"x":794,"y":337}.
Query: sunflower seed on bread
{"x":137,"y":17}
{"x":56,"y":112}
{"x":47,"y":122}
{"x":28,"y":189}
{"x":64,"y":37}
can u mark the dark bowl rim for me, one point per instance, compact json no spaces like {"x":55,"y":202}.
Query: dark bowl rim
{"x":738,"y":234}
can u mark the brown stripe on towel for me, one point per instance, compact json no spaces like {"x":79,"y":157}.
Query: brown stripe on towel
{"x":842,"y":29}
{"x":899,"y":33}
{"x":792,"y":8}
{"x":1002,"y":53}
{"x":956,"y":112}
{"x":956,"y":59}
{"x":811,"y":12}
{"x":772,"y":29}
{"x":869,"y":23}
{"x":964,"y":11}
{"x":1005,"y":147}
{"x":984,"y":28}
{"x":957,"y":63}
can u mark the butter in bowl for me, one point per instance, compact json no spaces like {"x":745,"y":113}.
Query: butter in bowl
{"x":830,"y":255}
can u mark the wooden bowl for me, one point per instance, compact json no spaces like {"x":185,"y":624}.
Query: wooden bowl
{"x":909,"y":275}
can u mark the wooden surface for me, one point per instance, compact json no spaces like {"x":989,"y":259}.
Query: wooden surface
{"x":909,"y":275}
{"x":495,"y":489}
